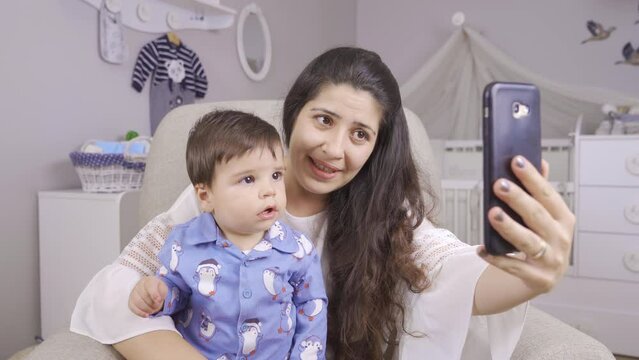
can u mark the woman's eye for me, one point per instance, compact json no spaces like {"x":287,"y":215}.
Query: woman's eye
{"x":248,"y":180}
{"x":360,"y":135}
{"x":324,"y":120}
{"x":277,"y":175}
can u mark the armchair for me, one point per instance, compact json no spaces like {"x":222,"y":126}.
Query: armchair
{"x":544,"y":337}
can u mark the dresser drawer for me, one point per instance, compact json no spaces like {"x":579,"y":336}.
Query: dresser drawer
{"x":608,"y":256}
{"x":609,"y":209}
{"x":609,"y":162}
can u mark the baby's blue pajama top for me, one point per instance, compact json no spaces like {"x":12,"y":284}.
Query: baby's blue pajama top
{"x":267,"y":304}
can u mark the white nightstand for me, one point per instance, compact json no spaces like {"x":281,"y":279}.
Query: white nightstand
{"x":79,"y":234}
{"x":601,"y":295}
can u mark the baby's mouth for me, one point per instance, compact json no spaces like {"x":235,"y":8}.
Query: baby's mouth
{"x":269,"y":210}
{"x":268,"y":213}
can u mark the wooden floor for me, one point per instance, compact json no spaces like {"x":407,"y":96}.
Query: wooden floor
{"x":620,"y":357}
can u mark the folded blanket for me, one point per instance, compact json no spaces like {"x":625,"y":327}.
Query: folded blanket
{"x":115,"y":147}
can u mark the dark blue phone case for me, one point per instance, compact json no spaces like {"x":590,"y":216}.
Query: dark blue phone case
{"x":504,"y":137}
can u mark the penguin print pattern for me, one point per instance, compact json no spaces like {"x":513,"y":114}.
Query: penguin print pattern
{"x":277,"y":232}
{"x":304,"y":247}
{"x":255,"y":305}
{"x":176,"y":251}
{"x":251,"y":333}
{"x":286,"y":321}
{"x":273,"y":282}
{"x":263,"y":245}
{"x":312,"y":308}
{"x":175,"y":297}
{"x":185,"y":318}
{"x":207,"y":327}
{"x":208,"y":274}
{"x":299,"y":254}
{"x":307,"y":245}
{"x":311,"y":348}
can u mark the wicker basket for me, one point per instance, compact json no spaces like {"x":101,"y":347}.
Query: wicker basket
{"x":111,"y":173}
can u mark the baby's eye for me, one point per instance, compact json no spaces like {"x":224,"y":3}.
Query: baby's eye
{"x":277,"y":175}
{"x":248,"y":180}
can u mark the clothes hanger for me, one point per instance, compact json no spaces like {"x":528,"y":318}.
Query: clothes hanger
{"x":173,"y":38}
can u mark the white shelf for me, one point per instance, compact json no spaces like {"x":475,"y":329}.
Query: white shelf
{"x":157,"y":16}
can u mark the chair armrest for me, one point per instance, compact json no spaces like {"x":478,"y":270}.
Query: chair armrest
{"x":70,"y":346}
{"x":545,"y":337}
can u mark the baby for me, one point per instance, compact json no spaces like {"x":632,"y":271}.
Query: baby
{"x":237,"y":282}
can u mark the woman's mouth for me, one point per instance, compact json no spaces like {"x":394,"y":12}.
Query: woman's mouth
{"x":323,"y":170}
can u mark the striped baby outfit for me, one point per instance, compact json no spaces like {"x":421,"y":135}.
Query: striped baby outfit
{"x":157,"y":57}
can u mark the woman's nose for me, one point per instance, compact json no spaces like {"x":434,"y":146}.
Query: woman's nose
{"x":333,"y":144}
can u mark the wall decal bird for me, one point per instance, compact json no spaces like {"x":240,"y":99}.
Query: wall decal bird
{"x":597,"y":31}
{"x":630,"y":55}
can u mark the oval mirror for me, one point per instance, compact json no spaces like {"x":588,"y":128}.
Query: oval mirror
{"x":253,"y":42}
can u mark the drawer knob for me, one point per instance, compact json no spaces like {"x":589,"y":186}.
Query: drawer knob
{"x":631,"y":212}
{"x":631,"y":261}
{"x":632,"y":164}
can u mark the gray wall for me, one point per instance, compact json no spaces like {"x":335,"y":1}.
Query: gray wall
{"x":542,"y":35}
{"x":57,"y":93}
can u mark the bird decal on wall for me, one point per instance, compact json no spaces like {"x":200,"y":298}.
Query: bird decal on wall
{"x":597,"y":31}
{"x":630,"y":55}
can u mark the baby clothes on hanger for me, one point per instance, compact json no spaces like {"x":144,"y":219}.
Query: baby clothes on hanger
{"x":163,"y":97}
{"x":178,"y":76}
{"x":113,"y":49}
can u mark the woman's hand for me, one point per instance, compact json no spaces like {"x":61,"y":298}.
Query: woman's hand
{"x":545,"y":245}
{"x":147,"y":297}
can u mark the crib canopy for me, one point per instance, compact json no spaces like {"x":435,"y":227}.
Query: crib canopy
{"x":446,"y":92}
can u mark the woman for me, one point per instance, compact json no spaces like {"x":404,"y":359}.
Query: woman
{"x":351,"y":183}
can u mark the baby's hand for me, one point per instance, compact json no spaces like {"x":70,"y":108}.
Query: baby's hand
{"x":147,"y":297}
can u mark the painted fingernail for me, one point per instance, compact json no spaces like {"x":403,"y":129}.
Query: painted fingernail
{"x":504,"y":185}
{"x":500,"y":216}
{"x":519,"y":161}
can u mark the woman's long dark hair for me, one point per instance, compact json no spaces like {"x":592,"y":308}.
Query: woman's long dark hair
{"x":371,"y":220}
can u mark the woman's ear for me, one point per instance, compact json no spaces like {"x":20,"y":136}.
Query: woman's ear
{"x":204,"y":197}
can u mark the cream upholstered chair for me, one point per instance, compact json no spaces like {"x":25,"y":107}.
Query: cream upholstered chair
{"x":544,"y":337}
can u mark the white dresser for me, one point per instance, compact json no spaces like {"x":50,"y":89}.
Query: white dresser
{"x":79,"y":234}
{"x":600,"y":295}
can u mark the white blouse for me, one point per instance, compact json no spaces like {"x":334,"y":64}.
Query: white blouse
{"x":443,"y":312}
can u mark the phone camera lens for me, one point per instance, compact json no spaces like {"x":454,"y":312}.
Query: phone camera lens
{"x":520,"y":110}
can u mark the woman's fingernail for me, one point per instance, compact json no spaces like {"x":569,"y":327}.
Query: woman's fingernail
{"x":504,"y":185}
{"x":519,"y":161}
{"x":500,"y":216}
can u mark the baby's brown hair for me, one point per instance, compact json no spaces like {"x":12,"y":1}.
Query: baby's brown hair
{"x":222,"y":135}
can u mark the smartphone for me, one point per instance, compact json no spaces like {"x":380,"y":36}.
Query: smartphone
{"x":511,"y":126}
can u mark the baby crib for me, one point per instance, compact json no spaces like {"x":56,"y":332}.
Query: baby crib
{"x":461,"y":203}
